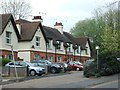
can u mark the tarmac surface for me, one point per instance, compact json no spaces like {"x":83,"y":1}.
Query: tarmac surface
{"x":74,"y":79}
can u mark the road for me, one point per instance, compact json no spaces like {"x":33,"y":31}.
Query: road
{"x":73,"y":80}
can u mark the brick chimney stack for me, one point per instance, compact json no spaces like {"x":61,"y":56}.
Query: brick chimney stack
{"x":37,"y":19}
{"x":59,"y":27}
{"x":18,"y":25}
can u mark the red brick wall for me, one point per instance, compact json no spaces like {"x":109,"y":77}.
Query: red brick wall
{"x":41,"y":54}
{"x":5,"y":53}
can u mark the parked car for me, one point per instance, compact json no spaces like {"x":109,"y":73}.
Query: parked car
{"x":52,"y":67}
{"x":75,"y":65}
{"x":65,"y":66}
{"x":88,"y":62}
{"x":78,"y":63}
{"x":32,"y":69}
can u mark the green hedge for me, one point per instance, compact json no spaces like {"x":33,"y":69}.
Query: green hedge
{"x":4,"y":61}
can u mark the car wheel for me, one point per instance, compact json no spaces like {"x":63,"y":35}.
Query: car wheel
{"x":53,"y":70}
{"x":32,"y":73}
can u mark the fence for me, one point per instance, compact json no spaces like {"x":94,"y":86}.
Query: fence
{"x":10,"y":71}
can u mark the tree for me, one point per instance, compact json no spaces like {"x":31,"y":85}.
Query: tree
{"x":109,"y":41}
{"x":104,"y":23}
{"x":18,"y":8}
{"x":84,"y":28}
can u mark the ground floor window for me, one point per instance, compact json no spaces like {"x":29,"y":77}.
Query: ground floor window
{"x":50,"y":58}
{"x":9,"y":56}
{"x":36,"y":57}
{"x":59,"y":58}
{"x":70,"y":59}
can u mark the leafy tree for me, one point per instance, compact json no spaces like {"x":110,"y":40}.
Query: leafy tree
{"x":109,"y":40}
{"x":84,"y":28}
{"x":18,"y":8}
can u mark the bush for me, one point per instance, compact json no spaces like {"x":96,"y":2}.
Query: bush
{"x":5,"y":61}
{"x":90,"y":70}
{"x":108,"y":65}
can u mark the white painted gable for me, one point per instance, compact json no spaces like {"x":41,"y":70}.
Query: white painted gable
{"x":14,"y":39}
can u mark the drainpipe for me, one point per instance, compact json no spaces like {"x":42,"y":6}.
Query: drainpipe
{"x":55,"y":53}
{"x":46,"y":51}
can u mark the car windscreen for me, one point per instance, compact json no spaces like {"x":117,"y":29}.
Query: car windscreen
{"x":31,"y":64}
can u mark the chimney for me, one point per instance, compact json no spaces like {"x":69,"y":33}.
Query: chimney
{"x":59,"y":27}
{"x":18,"y":25}
{"x":37,"y":19}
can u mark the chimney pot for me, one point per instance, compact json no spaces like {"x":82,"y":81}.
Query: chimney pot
{"x":37,"y":17}
{"x":58,"y":24}
{"x":59,"y":27}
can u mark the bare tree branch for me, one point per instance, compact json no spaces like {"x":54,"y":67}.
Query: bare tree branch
{"x":18,"y":8}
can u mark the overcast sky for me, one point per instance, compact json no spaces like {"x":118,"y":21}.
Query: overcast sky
{"x":66,"y":11}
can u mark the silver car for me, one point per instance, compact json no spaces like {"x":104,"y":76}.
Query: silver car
{"x":32,"y":69}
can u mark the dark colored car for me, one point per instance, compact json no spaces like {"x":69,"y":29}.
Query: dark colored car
{"x":76,"y":65}
{"x":65,"y":66}
{"x":52,"y":67}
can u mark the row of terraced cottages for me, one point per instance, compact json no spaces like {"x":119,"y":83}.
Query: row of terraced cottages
{"x":33,"y":41}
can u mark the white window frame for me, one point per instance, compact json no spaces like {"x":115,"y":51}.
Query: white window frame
{"x":37,"y":41}
{"x":49,"y":45}
{"x":78,"y":50}
{"x":59,"y":46}
{"x":50,"y":58}
{"x":69,"y":48}
{"x":9,"y":56}
{"x":8,"y":38}
{"x":36,"y":56}
{"x":59,"y":58}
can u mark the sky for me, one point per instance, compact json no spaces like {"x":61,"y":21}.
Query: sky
{"x":68,"y":12}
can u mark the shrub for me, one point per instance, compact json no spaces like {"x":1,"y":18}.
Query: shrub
{"x":5,"y":61}
{"x":90,"y":70}
{"x":108,"y":65}
{"x":97,"y":75}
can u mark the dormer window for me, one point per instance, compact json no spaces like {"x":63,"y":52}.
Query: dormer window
{"x":37,"y":41}
{"x":78,"y":49}
{"x":69,"y":47}
{"x":8,"y":37}
{"x":86,"y":50}
{"x":49,"y":44}
{"x":59,"y":46}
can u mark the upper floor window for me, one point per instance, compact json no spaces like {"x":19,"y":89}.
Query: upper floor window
{"x":37,"y":41}
{"x":78,"y":49}
{"x":49,"y":44}
{"x":59,"y":46}
{"x":69,"y":47}
{"x":8,"y":37}
{"x":86,"y":51}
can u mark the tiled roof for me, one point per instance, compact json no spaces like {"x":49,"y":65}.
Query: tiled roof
{"x":69,"y":37}
{"x":4,"y":19}
{"x":55,"y":35}
{"x":28,"y":30}
{"x":52,"y":33}
{"x":82,"y":41}
{"x":21,"y":21}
